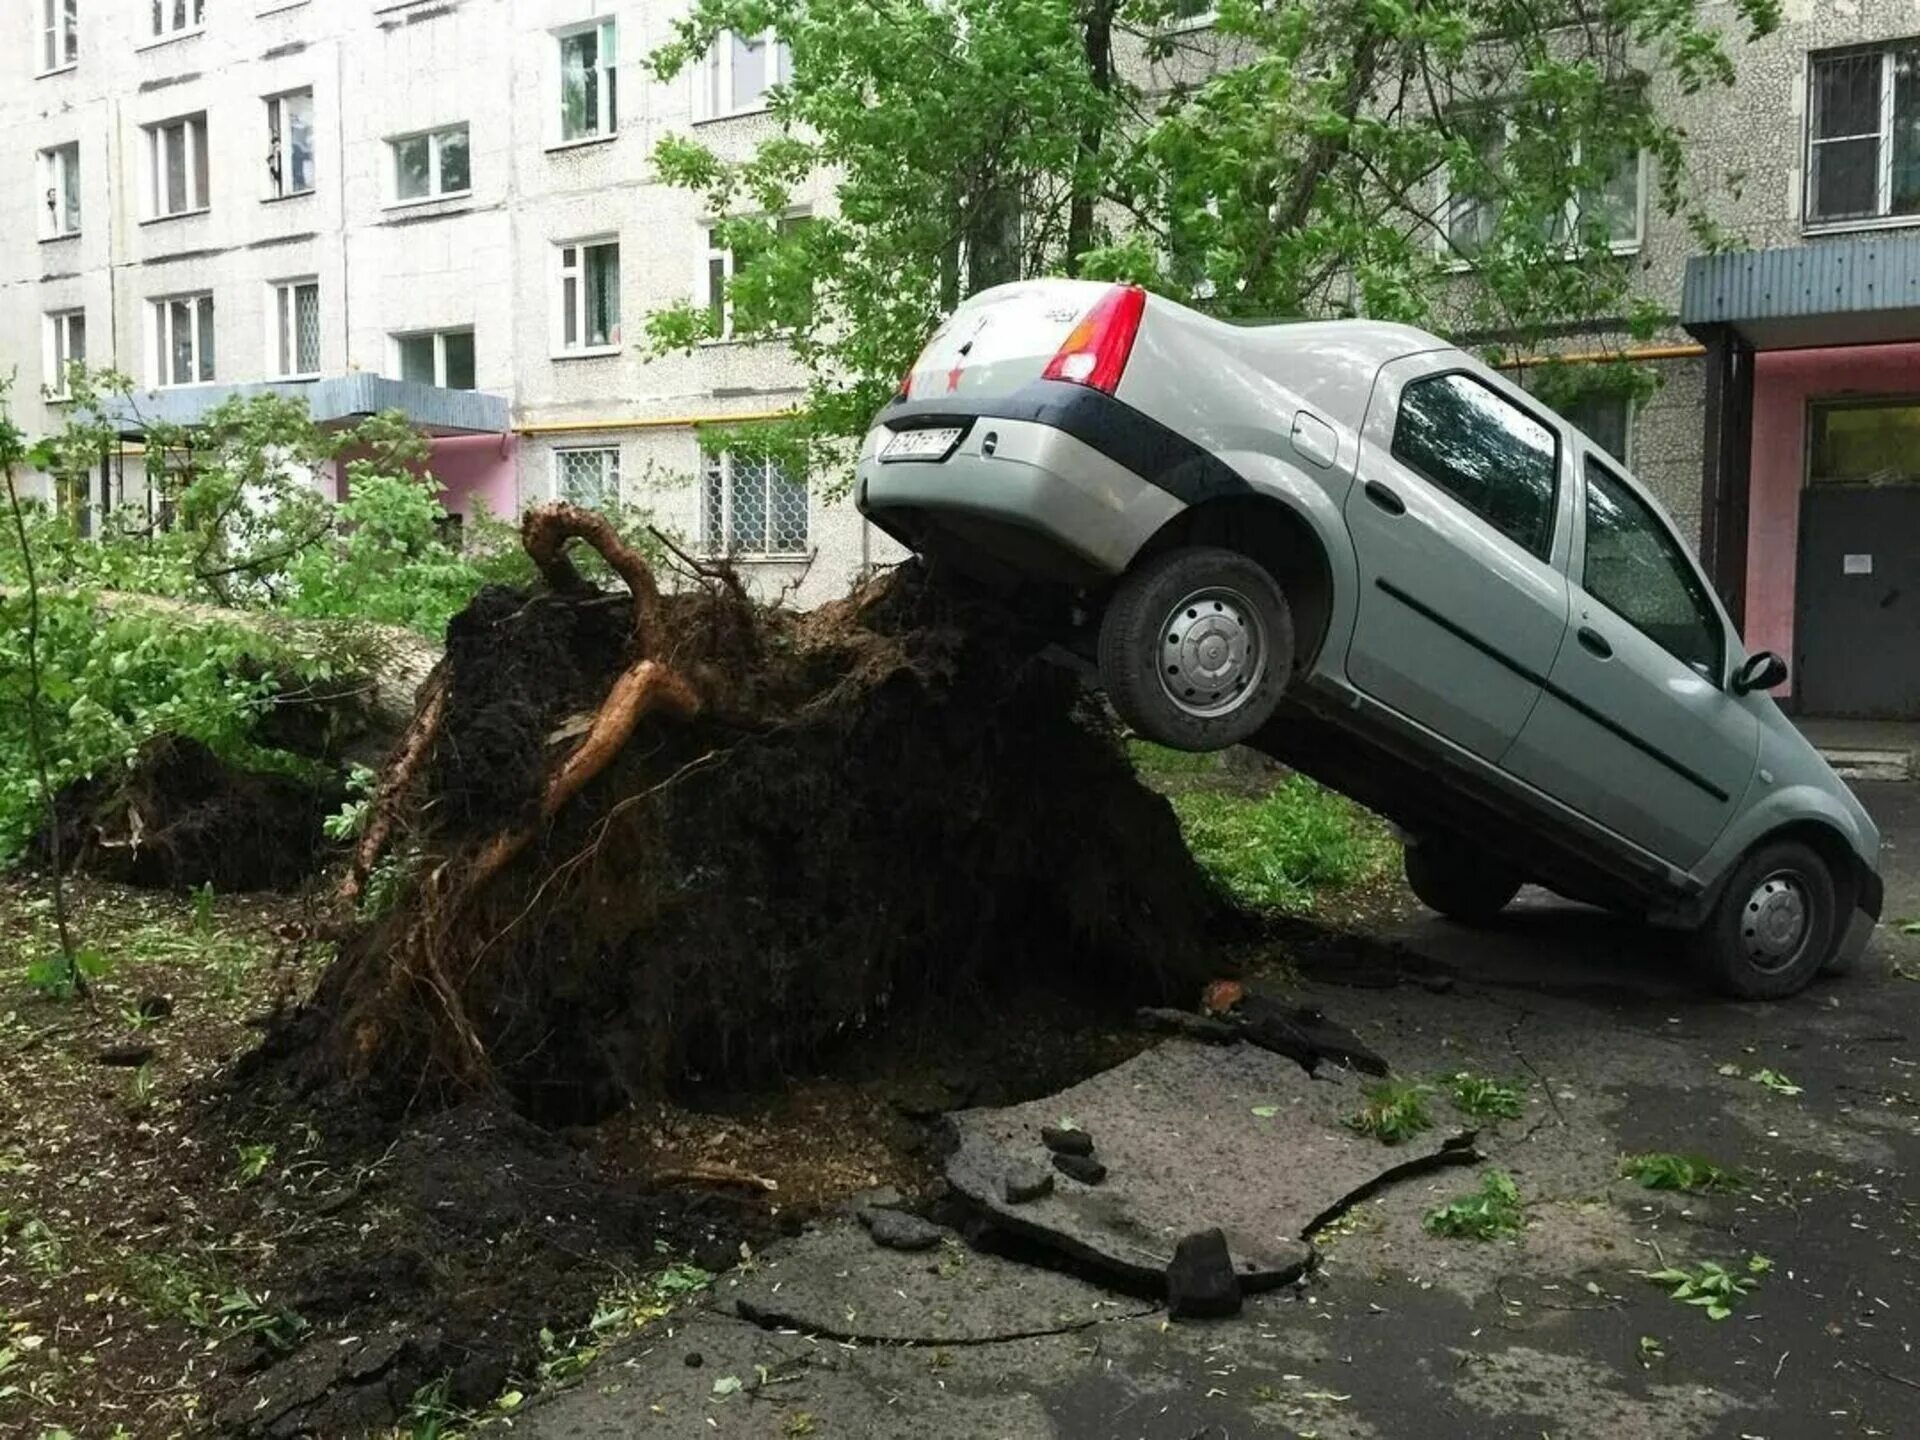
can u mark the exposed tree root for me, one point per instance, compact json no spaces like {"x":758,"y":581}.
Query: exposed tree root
{"x":396,"y":782}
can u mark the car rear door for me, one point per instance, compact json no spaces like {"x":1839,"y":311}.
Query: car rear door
{"x":1636,"y":728}
{"x":1460,"y":522}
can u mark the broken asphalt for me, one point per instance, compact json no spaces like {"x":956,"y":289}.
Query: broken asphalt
{"x":1383,"y":1329}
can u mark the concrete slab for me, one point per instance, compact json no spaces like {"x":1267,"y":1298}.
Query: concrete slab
{"x":1194,"y":1136}
{"x":837,"y":1283}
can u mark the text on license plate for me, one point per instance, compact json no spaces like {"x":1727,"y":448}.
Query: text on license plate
{"x":921,"y":444}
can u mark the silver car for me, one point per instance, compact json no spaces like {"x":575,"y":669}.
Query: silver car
{"x":1361,"y":550}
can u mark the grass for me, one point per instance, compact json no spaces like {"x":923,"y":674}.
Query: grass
{"x":1663,"y":1170}
{"x":1488,"y":1213}
{"x":1152,"y":759}
{"x":1396,"y":1110}
{"x":1275,"y":851}
{"x":1482,"y":1097}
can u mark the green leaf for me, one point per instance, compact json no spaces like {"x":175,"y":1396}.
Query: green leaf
{"x":1266,"y":1112}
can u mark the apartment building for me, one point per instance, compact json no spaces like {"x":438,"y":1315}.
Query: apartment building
{"x":444,"y":207}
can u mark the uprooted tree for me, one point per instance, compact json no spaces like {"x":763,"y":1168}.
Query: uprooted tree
{"x":655,"y":835}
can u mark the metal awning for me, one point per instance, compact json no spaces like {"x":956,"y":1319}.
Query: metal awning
{"x":1863,"y":290}
{"x":342,"y":400}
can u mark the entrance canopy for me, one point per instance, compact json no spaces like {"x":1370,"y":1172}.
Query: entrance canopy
{"x":1862,"y":290}
{"x":343,"y":400}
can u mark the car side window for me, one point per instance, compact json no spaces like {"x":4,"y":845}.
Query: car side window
{"x":1484,"y":451}
{"x":1635,"y":567}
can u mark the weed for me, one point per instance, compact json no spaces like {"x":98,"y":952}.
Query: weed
{"x":800,"y":1422}
{"x":140,"y":1087}
{"x":45,"y":1251}
{"x":1909,"y":927}
{"x":1275,"y":852}
{"x":1651,"y":1350}
{"x":1396,"y":1110}
{"x":1491,"y":1211}
{"x":203,"y":910}
{"x":350,"y":819}
{"x":170,"y":1285}
{"x":1483,"y":1098}
{"x":430,"y":1415}
{"x":252,"y":1163}
{"x":1664,"y":1171}
{"x":51,"y":976}
{"x":1709,"y":1285}
{"x":1151,"y":759}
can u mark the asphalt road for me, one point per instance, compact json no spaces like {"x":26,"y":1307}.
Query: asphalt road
{"x":1397,"y":1333}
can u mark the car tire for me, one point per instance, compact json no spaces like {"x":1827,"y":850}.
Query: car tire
{"x":1196,"y":647}
{"x":1458,"y":880}
{"x":1772,"y":929}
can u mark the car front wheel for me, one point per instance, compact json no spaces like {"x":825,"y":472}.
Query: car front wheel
{"x":1459,"y":881}
{"x":1196,"y":647}
{"x":1773,"y":927}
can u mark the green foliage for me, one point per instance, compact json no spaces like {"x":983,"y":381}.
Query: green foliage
{"x":1483,"y":1098}
{"x":351,"y":818}
{"x":1711,"y":1286}
{"x":59,"y":978}
{"x":1663,"y":1170}
{"x":980,"y":141}
{"x":251,"y":1162}
{"x":1275,"y":851}
{"x":1151,"y":759}
{"x":1395,"y":1111}
{"x":1488,"y":1213}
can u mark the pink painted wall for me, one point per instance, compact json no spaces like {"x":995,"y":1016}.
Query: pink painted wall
{"x":467,"y":466}
{"x":1784,"y":381}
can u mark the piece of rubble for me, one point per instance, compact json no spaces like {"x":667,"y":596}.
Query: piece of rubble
{"x":1026,"y":1181}
{"x":1201,"y":1283}
{"x":1184,"y":1022}
{"x":1064,"y":1140}
{"x":1084,"y":1168}
{"x":897,"y":1230}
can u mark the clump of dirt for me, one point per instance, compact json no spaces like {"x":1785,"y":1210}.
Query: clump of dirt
{"x":178,"y":816}
{"x":669,"y":839}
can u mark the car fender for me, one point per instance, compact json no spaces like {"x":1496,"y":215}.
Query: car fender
{"x":1781,"y":809}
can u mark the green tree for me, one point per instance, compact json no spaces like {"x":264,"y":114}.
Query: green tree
{"x":1292,"y":160}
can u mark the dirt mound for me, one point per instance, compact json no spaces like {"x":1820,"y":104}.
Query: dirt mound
{"x":683,"y":837}
{"x":179,"y":816}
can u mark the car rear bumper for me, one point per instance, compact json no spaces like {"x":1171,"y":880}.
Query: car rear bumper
{"x":1017,"y":498}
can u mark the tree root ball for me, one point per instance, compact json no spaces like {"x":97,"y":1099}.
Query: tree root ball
{"x":889,"y":811}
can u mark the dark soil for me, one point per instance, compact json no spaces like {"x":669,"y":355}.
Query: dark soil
{"x":889,"y":807}
{"x":179,"y":817}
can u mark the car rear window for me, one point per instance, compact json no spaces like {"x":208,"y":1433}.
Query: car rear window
{"x":1485,"y":452}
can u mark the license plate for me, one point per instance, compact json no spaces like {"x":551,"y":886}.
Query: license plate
{"x":921,"y":444}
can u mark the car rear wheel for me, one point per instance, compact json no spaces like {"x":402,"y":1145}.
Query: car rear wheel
{"x":1773,"y":927}
{"x":1196,"y":647}
{"x":1457,"y":880}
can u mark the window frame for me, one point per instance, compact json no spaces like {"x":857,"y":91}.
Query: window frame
{"x":610,"y":473}
{"x":1827,"y":404}
{"x":580,"y":309}
{"x":436,"y":170}
{"x":716,"y":80}
{"x":1632,"y":415}
{"x":57,"y":350}
{"x":278,"y":154}
{"x":439,"y":340}
{"x":711,"y":251}
{"x":1693,"y":581}
{"x":1544,"y":554}
{"x":61,"y":171}
{"x":282,"y":313}
{"x":1461,"y":260}
{"x":719,"y":467}
{"x":161,"y":31}
{"x":1200,"y":20}
{"x":59,"y":36}
{"x":198,"y":166}
{"x":1883,"y":216}
{"x":606,"y":110}
{"x":160,"y":331}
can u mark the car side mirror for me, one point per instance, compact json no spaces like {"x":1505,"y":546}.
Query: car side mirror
{"x":1759,"y":672}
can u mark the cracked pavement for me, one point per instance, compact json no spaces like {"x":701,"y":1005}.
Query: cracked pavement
{"x":1395,"y":1332}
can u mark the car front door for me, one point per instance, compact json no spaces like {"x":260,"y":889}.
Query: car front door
{"x":1636,"y":728}
{"x":1460,"y":522}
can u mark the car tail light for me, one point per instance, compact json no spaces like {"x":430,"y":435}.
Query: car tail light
{"x":1096,"y":353}
{"x":906,"y":381}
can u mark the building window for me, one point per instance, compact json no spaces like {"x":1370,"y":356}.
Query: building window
{"x":177,"y":17}
{"x":1864,"y":442}
{"x":588,"y":477}
{"x":296,"y":329}
{"x":1863,"y":134}
{"x":589,"y":102}
{"x":1607,"y":420}
{"x":66,"y":345}
{"x":722,"y":264}
{"x":589,"y":295}
{"x":1485,"y":452}
{"x":1190,"y":14}
{"x":183,"y":340}
{"x":290,"y":144}
{"x":60,"y":34}
{"x":741,"y":70}
{"x":436,"y":357}
{"x":60,"y":178}
{"x":752,"y":505}
{"x":178,"y":172}
{"x":1470,"y":213}
{"x":432,"y":165}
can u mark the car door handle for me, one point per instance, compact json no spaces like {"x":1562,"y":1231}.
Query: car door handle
{"x":1385,"y":498}
{"x":1593,"y":640}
